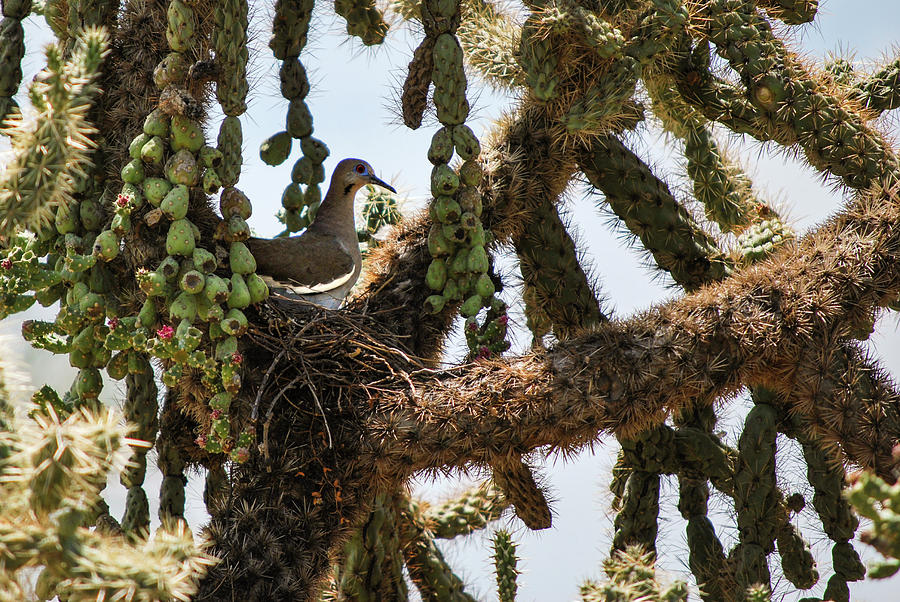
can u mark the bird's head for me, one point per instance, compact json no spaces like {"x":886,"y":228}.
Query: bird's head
{"x":353,"y":174}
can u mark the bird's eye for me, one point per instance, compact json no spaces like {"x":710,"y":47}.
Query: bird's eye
{"x":360,"y":168}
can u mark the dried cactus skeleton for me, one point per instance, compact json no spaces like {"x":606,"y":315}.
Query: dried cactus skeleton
{"x":311,"y":422}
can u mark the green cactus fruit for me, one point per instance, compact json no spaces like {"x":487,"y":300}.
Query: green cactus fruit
{"x":452,"y":290}
{"x":224,"y":350}
{"x":173,"y":69}
{"x":216,"y":289}
{"x":184,"y":307}
{"x":469,"y":222}
{"x":188,"y":336}
{"x":133,"y":172}
{"x":106,"y":245}
{"x":446,"y":209}
{"x":169,"y":268}
{"x":182,"y":168}
{"x":66,"y":220}
{"x":234,"y":202}
{"x":231,"y":377}
{"x":157,"y":124}
{"x":240,"y":259}
{"x":152,"y":283}
{"x":170,"y":378}
{"x":293,"y":220}
{"x":118,"y":338}
{"x":438,"y":245}
{"x":434,"y":304}
{"x":203,"y":307}
{"x":133,"y":194}
{"x":88,"y":383}
{"x":477,"y":236}
{"x":436,"y":276}
{"x":460,"y":264}
{"x":185,"y":133}
{"x":192,"y":282}
{"x":318,"y":174}
{"x":441,"y":149}
{"x":121,"y":224}
{"x":315,"y":149}
{"x":134,"y":149}
{"x":239,"y":297}
{"x":455,"y":233}
{"x":470,"y":200}
{"x":276,"y":148}
{"x":292,"y":197}
{"x":299,"y":122}
{"x":222,"y":401}
{"x":210,"y":181}
{"x":117,"y":368}
{"x":466,"y":143}
{"x":180,"y":31}
{"x":214,"y":314}
{"x":471,"y":306}
{"x":84,"y":340}
{"x":79,"y":359}
{"x":237,"y":229}
{"x":147,"y":315}
{"x":155,"y":190}
{"x":48,"y":296}
{"x":302,"y":171}
{"x":312,"y":198}
{"x":175,"y":203}
{"x":229,"y":142}
{"x":180,"y":239}
{"x":444,"y":181}
{"x":484,"y":286}
{"x":294,"y":83}
{"x":204,"y":260}
{"x":257,"y":287}
{"x":478,"y":260}
{"x":210,"y":157}
{"x":91,"y":214}
{"x":234,"y":323}
{"x":153,"y":151}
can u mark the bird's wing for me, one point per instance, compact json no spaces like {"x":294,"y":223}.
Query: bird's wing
{"x":308,"y":264}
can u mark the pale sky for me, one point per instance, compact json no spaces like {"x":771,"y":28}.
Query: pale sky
{"x":352,"y":102}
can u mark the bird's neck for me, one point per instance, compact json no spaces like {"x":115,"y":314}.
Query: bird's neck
{"x":336,"y":211}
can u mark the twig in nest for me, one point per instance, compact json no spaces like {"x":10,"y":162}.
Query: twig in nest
{"x":318,"y":405}
{"x":265,"y":444}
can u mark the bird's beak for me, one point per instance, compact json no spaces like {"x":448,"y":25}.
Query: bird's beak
{"x":382,"y":183}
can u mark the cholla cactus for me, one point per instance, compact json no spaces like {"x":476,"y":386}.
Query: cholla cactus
{"x":311,"y":423}
{"x":52,"y":473}
{"x":632,"y":577}
{"x":878,"y":501}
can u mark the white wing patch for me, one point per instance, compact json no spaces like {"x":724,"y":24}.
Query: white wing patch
{"x":323,"y":287}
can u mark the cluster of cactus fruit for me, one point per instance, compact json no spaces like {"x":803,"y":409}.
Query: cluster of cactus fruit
{"x":171,"y":164}
{"x":460,"y":268}
{"x":289,"y":33}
